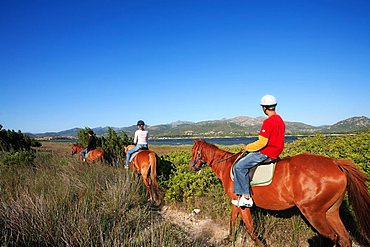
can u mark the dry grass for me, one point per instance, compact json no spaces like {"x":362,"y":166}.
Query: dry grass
{"x":60,"y":202}
{"x":65,"y":148}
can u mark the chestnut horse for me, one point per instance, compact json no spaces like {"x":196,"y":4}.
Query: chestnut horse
{"x":94,"y":155}
{"x":315,"y":184}
{"x":145,"y":163}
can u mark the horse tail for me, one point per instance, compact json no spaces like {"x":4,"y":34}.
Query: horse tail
{"x":153,"y":175}
{"x":358,"y":194}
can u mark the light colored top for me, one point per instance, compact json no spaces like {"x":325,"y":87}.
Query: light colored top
{"x":141,"y":137}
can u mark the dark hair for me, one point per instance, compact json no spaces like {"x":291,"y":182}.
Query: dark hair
{"x":270,"y":107}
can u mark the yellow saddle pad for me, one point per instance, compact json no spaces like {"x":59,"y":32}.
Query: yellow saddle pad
{"x":262,"y":176}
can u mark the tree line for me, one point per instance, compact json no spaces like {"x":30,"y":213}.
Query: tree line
{"x":12,"y":141}
{"x":15,"y":144}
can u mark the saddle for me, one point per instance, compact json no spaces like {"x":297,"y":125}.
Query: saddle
{"x":87,"y":154}
{"x":133,"y":155}
{"x":261,"y":174}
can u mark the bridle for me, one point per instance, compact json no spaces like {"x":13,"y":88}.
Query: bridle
{"x":197,"y":159}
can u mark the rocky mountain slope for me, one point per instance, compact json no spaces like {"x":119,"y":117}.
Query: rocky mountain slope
{"x":238,"y":126}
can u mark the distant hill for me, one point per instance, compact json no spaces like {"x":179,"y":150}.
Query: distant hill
{"x":349,"y":125}
{"x":238,"y":126}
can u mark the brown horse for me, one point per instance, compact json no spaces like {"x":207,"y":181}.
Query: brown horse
{"x":145,"y":163}
{"x":94,"y":155}
{"x":315,"y":184}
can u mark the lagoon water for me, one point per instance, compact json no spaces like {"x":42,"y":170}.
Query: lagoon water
{"x":189,"y":141}
{"x":220,"y":141}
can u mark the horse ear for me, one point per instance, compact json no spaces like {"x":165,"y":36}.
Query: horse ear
{"x":195,"y":141}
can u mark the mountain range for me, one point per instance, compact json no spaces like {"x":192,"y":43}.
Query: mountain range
{"x":237,"y":126}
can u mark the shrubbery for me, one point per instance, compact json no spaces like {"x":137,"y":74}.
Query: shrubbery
{"x":15,"y":159}
{"x":15,"y":149}
{"x":11,"y":141}
{"x":193,"y":190}
{"x":112,"y":144}
{"x":354,"y":147}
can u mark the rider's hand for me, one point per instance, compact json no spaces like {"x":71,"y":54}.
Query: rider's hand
{"x":245,"y":148}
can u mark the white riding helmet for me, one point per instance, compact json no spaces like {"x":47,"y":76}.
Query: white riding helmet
{"x":268,"y":100}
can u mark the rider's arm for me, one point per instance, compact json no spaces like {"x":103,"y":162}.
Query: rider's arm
{"x":136,"y":137}
{"x":257,"y":145}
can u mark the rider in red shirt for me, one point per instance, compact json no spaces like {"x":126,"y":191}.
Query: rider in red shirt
{"x":270,"y":144}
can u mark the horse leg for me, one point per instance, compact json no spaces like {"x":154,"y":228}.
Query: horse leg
{"x":332,"y":215}
{"x":150,"y":184}
{"x":148,"y":190}
{"x":248,"y":222}
{"x":317,"y":218}
{"x":233,"y":217}
{"x":144,"y":173}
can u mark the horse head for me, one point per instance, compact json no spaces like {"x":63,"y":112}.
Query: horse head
{"x":197,"y":162}
{"x":76,"y":148}
{"x":128,"y":147}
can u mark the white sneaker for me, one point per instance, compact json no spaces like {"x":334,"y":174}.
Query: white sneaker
{"x":243,"y":202}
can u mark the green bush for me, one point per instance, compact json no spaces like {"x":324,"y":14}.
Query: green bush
{"x":16,"y":159}
{"x":11,"y":141}
{"x":182,"y":185}
{"x":353,"y":147}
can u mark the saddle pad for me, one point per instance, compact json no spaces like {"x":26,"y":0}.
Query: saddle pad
{"x":262,"y":176}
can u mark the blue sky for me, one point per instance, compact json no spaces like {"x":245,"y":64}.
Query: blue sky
{"x":67,"y":64}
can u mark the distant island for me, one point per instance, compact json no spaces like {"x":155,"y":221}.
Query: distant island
{"x":233,"y":127}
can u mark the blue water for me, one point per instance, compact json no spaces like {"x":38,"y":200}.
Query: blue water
{"x":189,"y":141}
{"x":220,"y":141}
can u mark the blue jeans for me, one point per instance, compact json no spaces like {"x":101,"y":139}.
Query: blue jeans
{"x":83,"y":153}
{"x":133,"y":150}
{"x":241,"y":172}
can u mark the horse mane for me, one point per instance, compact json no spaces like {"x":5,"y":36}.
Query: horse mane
{"x":213,"y":147}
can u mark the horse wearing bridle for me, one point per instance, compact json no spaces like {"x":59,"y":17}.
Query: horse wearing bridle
{"x":93,"y":155}
{"x":315,"y":184}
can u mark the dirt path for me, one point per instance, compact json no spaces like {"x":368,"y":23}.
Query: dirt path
{"x":196,"y":226}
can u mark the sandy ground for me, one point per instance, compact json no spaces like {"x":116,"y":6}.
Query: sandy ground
{"x":196,"y":226}
{"x":201,"y":227}
{"x":204,"y":228}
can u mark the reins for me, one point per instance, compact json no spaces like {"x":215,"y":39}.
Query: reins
{"x":221,"y":160}
{"x":200,"y":158}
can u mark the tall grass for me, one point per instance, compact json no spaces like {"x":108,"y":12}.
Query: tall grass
{"x":57,"y":201}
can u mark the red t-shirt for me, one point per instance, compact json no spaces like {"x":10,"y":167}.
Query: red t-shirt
{"x":273,"y":128}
